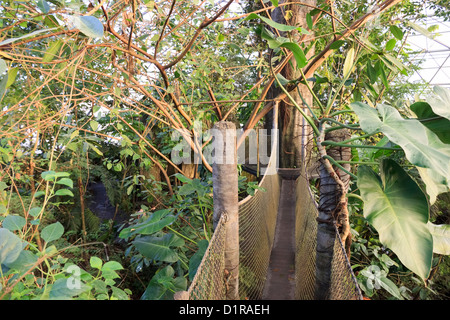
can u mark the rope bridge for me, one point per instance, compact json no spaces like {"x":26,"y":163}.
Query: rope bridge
{"x":257,"y":225}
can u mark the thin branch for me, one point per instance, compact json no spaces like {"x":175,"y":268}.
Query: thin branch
{"x":163,"y":28}
{"x":206,"y":22}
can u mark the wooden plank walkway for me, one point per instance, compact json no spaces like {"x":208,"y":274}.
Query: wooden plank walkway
{"x":280,"y":280}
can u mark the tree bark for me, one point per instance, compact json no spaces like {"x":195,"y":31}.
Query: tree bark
{"x":295,"y":135}
{"x":225,"y":199}
{"x":82,"y":207}
{"x":332,"y":210}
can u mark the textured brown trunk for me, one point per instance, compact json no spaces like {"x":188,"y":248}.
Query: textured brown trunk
{"x":332,"y":209}
{"x":82,"y":208}
{"x":225,"y":198}
{"x":294,"y":134}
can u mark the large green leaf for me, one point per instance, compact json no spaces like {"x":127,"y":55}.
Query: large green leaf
{"x":13,"y":222}
{"x":298,"y":53}
{"x":196,"y":259}
{"x":163,"y":285}
{"x":439,"y":125}
{"x":63,"y":290}
{"x":368,"y":117}
{"x":440,"y":101}
{"x":159,"y":248}
{"x":422,"y":147}
{"x":155,"y":222}
{"x":23,"y":263}
{"x":52,"y":232}
{"x":441,"y":238}
{"x":433,"y":183}
{"x":398,"y":209}
{"x":10,"y":246}
{"x":90,"y":26}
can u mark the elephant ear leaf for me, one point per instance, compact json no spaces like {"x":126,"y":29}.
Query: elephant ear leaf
{"x":441,"y":238}
{"x":440,"y":101}
{"x":422,"y":147}
{"x":398,"y":209}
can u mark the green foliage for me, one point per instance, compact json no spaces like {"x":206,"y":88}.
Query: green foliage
{"x":163,"y":285}
{"x":90,"y":26}
{"x":158,"y":239}
{"x":396,"y":206}
{"x":399,"y":195}
{"x":62,"y":281}
{"x":422,"y":147}
{"x":98,"y":111}
{"x":159,"y":248}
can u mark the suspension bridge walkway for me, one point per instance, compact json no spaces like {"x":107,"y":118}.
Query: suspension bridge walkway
{"x":277,"y":231}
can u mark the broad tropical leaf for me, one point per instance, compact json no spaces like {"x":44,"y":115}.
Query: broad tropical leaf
{"x":14,"y":222}
{"x":10,"y":246}
{"x":440,"y":101}
{"x":368,"y":117}
{"x":24,"y":261}
{"x":63,"y":290}
{"x":163,"y":285}
{"x":433,"y":183}
{"x":196,"y":259}
{"x":422,"y":147}
{"x":159,"y":248}
{"x":156,"y":222}
{"x":398,"y":209}
{"x":439,"y":125}
{"x":441,"y":238}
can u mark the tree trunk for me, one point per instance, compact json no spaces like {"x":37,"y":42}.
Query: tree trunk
{"x":225,"y":199}
{"x":82,"y":207}
{"x":332,"y":209}
{"x":294,"y":132}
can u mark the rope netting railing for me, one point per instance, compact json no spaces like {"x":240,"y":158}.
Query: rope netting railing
{"x":343,"y":284}
{"x":257,"y":222}
{"x":209,"y":282}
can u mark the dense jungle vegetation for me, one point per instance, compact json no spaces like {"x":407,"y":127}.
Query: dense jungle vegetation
{"x":92,"y":205}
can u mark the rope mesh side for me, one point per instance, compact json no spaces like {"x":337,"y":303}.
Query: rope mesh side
{"x":305,"y":239}
{"x":257,"y":221}
{"x":343,"y":281}
{"x":209,"y":283}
